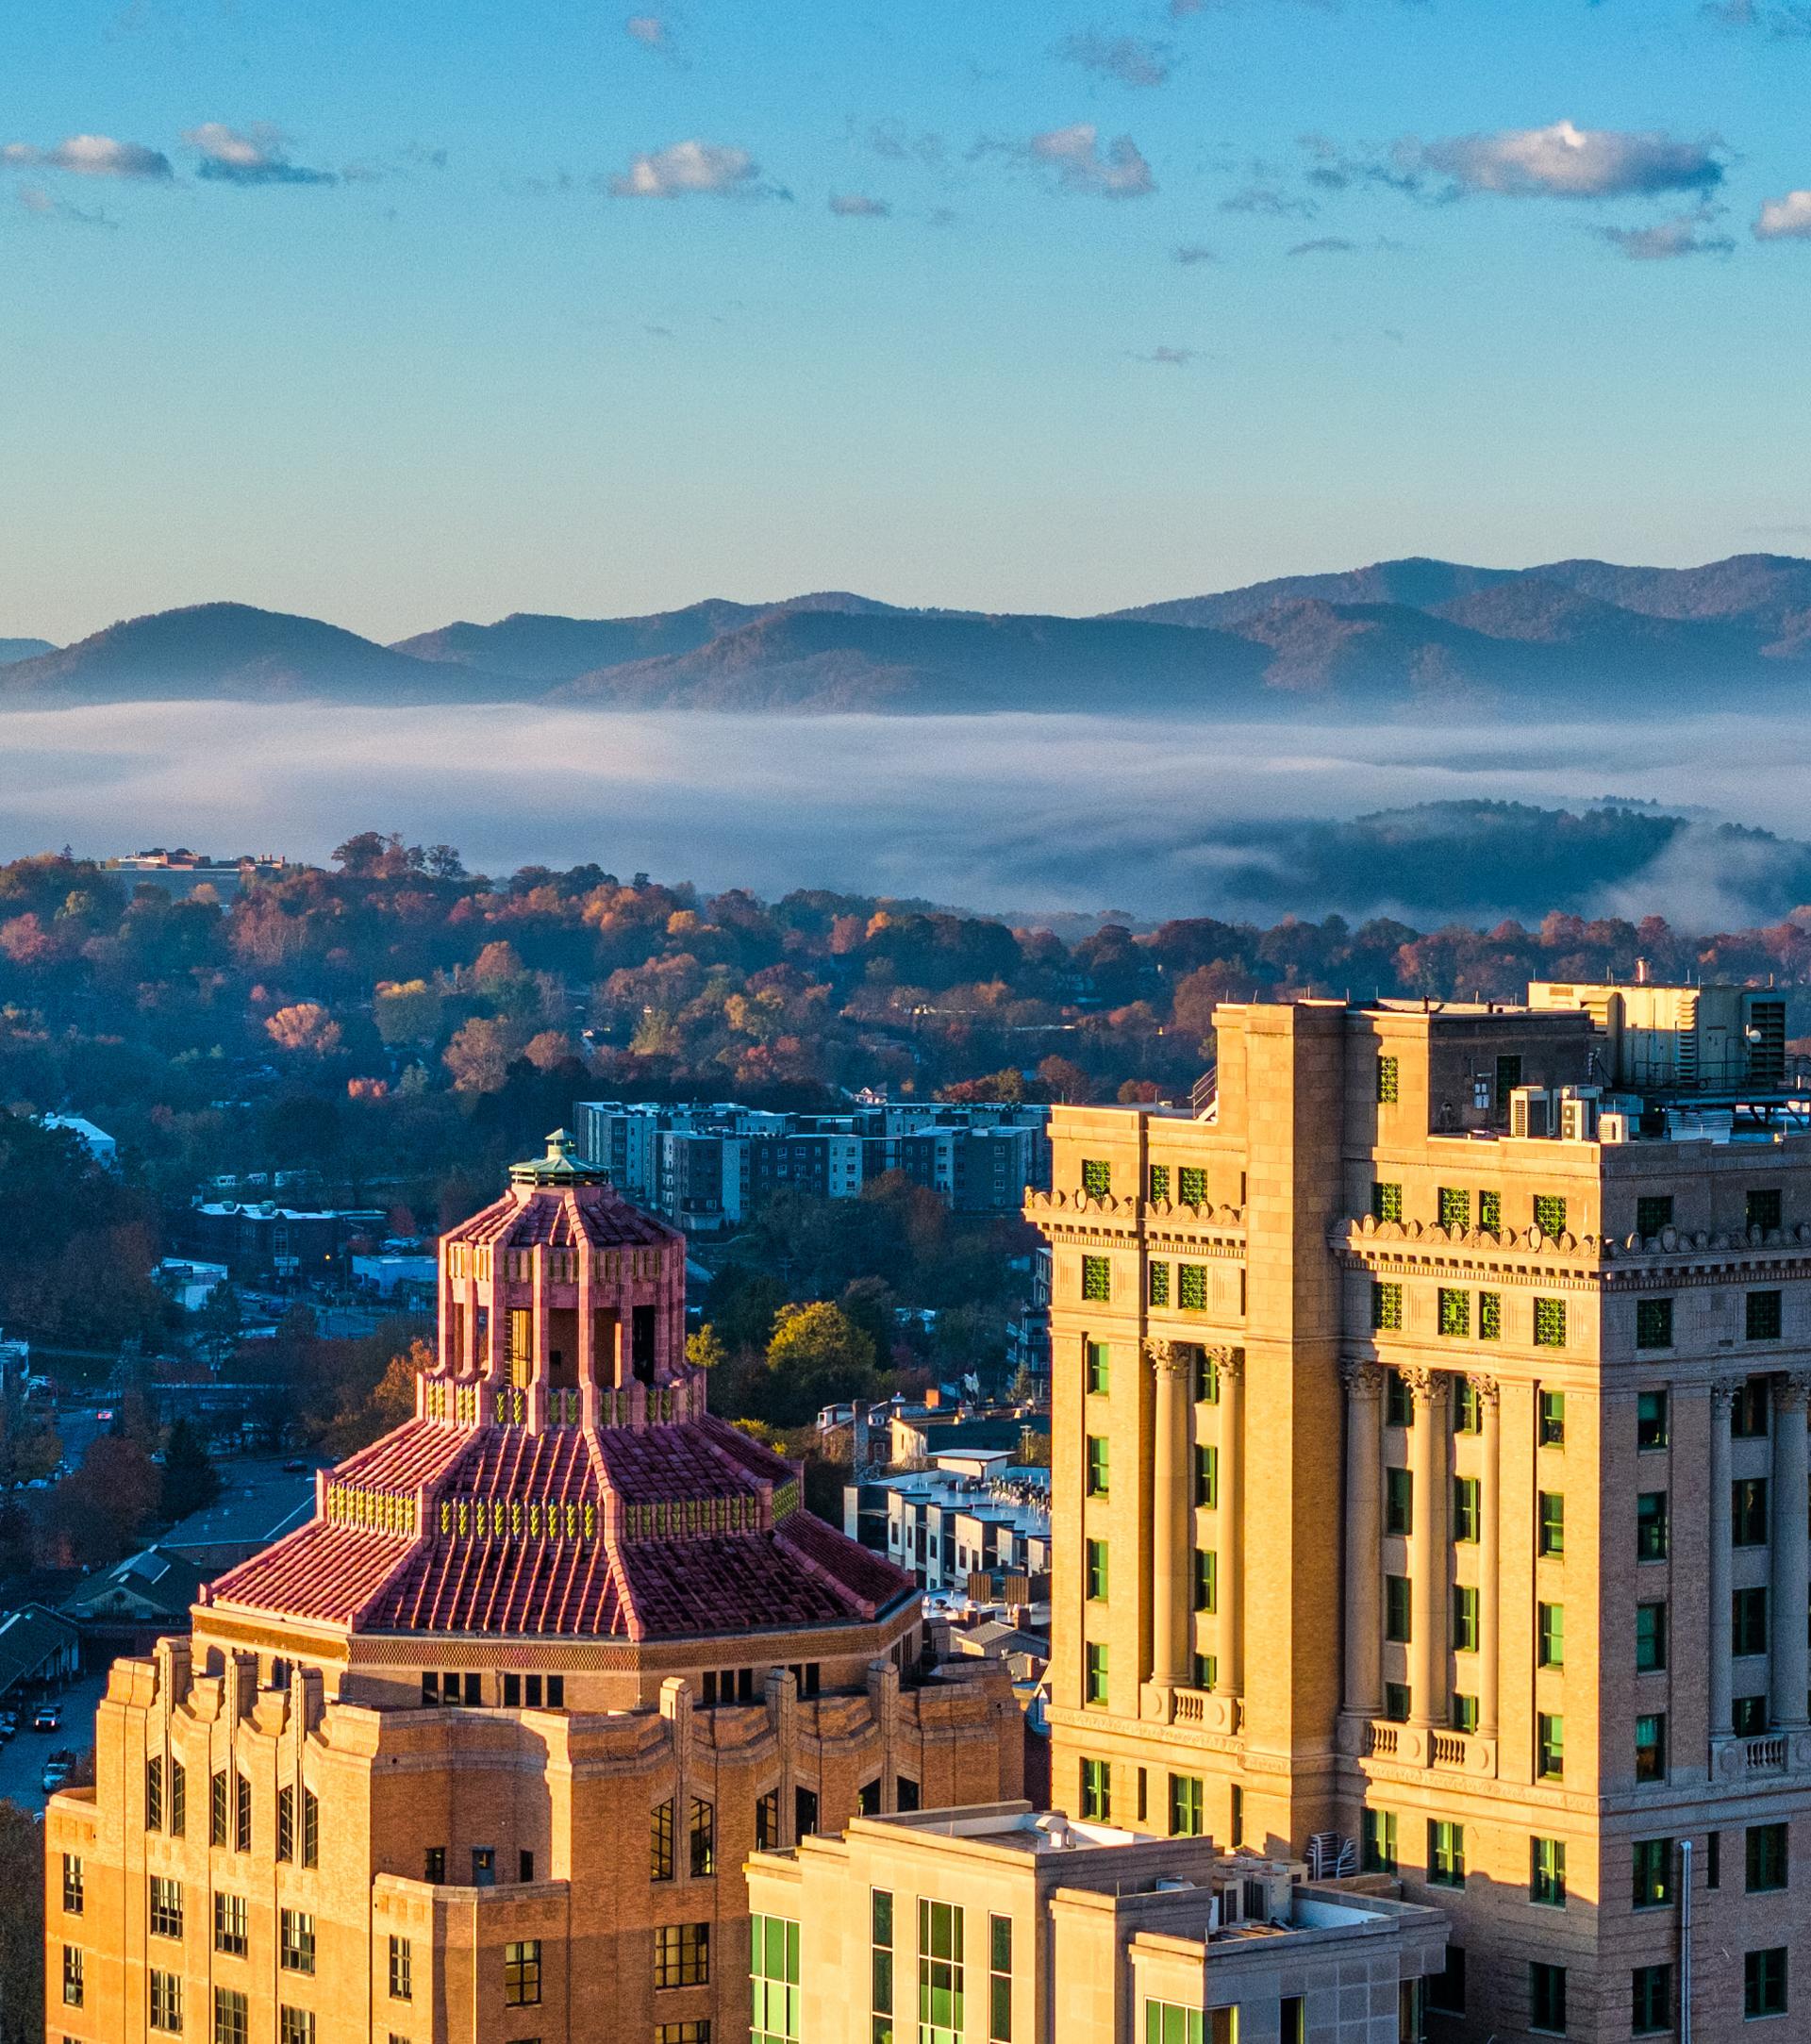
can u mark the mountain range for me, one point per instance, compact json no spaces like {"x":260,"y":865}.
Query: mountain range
{"x":1400,"y":637}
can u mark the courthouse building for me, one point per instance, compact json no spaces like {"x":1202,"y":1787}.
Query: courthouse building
{"x":478,"y":1752}
{"x":1430,"y":1481}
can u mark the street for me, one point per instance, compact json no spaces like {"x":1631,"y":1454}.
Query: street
{"x":23,"y":1757}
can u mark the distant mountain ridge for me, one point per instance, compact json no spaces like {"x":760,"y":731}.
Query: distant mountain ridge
{"x":1397,"y":638}
{"x":23,"y":649}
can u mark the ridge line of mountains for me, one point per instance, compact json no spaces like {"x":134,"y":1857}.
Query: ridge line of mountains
{"x":1402,"y":638}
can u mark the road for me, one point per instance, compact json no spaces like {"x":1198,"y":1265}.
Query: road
{"x":23,"y":1757}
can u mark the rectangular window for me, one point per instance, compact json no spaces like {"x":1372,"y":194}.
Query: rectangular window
{"x":1747,"y":1716}
{"x":1159,"y":1191}
{"x":73,"y":1985}
{"x":1552,"y":1524}
{"x":1550,"y":1324}
{"x":1551,"y":1421}
{"x":153,"y":1795}
{"x":232,"y":2023}
{"x":1446,"y":1990}
{"x":434,"y":1864}
{"x":1462,"y":1713}
{"x":230,"y":1925}
{"x":1650,"y":1526}
{"x":1186,"y":1805}
{"x":1398,"y":1604}
{"x":1094,"y":1368}
{"x":1456,"y":1208}
{"x":1763,"y":1315}
{"x":1467,"y":1511}
{"x":1468,"y":1407}
{"x":1097,"y":1177}
{"x":1095,"y":1552}
{"x":1386,"y":1308}
{"x":166,"y":1907}
{"x":1000,"y":1980}
{"x":295,"y":1940}
{"x":1445,"y":1854}
{"x":940,"y":1970}
{"x":1207,"y":1579}
{"x":1766,"y":1858}
{"x":1386,"y":1202}
{"x":72,"y":1886}
{"x":1157,"y":1281}
{"x":1207,"y":1671}
{"x":166,"y":2000}
{"x":1097,"y":1470}
{"x":294,"y":2025}
{"x":1399,"y":1406}
{"x":1456,"y":1312}
{"x":773,"y":1972}
{"x":1651,"y":2011}
{"x":1549,"y":1214}
{"x":1747,"y":1621}
{"x":1379,"y":1854}
{"x":1748,"y":1512}
{"x":286,"y":1825}
{"x":402,"y":1970}
{"x":1173,"y":2022}
{"x":1651,"y":1746}
{"x":1653,"y":1422}
{"x":1094,"y":1673}
{"x":1490,"y":1316}
{"x":767,"y":1821}
{"x":1652,"y":1214}
{"x":660,"y":1862}
{"x":1653,"y":1323}
{"x":310,"y":1828}
{"x":1764,"y":1983}
{"x":1207,"y":1475}
{"x":1396,"y":1703}
{"x":1747,"y":1413}
{"x":1398,"y":1501}
{"x":700,"y":1838}
{"x":1650,"y":1637}
{"x":1191,"y":1185}
{"x":1547,"y":1998}
{"x":1508,"y":1078}
{"x":1490,"y":1210}
{"x":880,"y":1963}
{"x":1765,"y":1210}
{"x":1207,"y":1379}
{"x":1097,"y":1279}
{"x":241,"y":1814}
{"x":521,"y":1974}
{"x":217,"y":1809}
{"x":1550,"y":1746}
{"x":1549,"y":1628}
{"x":1465,"y":1618}
{"x":1097,"y":1790}
{"x":1386,"y":1082}
{"x":1191,"y":1286}
{"x":1547,"y":1873}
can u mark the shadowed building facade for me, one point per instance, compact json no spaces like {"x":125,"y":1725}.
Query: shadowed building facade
{"x":1429,"y":1449}
{"x":479,"y":1751}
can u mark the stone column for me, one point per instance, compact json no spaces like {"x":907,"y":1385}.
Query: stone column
{"x":1425,"y":1461}
{"x":1171,"y":1517}
{"x":1722,"y":1397}
{"x":1791,"y":1554}
{"x":1230,"y":1632}
{"x":1489,"y":1588}
{"x":1363,"y":1529}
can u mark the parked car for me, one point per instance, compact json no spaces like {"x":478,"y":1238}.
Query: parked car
{"x":56,"y":1774}
{"x":50,"y":1716}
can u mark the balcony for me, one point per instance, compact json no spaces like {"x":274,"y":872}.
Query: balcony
{"x":1770,"y":1752}
{"x":1206,"y":1711}
{"x":1425,"y":1746}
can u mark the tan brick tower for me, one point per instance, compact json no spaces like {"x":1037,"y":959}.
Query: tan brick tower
{"x":1430,"y":1444}
{"x":477,"y":1754}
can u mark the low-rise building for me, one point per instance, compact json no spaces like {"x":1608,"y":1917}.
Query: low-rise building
{"x":949,"y":1526}
{"x":188,"y":1282}
{"x":261,"y":1239}
{"x":39,"y":1650}
{"x":991,"y":1922}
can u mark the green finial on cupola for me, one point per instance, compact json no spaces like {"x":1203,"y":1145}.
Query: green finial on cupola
{"x":561,"y":1166}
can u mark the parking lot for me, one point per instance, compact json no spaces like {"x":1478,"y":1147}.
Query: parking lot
{"x":23,"y":1757}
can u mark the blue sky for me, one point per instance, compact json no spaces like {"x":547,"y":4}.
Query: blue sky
{"x":397,"y":311}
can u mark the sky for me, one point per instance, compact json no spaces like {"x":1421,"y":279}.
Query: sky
{"x":400,"y":312}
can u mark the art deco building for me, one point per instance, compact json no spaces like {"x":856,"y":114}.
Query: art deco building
{"x":1430,"y":1474}
{"x":479,"y":1753}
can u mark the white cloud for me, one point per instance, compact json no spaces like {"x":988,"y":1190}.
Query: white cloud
{"x":1116,"y":171}
{"x":1131,"y":60}
{"x":1686,"y":234}
{"x":853,"y":205}
{"x":258,"y":155}
{"x":648,"y":28}
{"x":1786,"y":219}
{"x":1565,"y":161}
{"x":686,"y":167}
{"x":91,"y":156}
{"x":40,"y":204}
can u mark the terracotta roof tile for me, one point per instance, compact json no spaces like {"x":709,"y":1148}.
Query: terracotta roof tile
{"x":566,"y":1216}
{"x":320,"y":1570}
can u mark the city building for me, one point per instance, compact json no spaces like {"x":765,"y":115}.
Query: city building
{"x":477,"y":1752}
{"x":259,"y":1239}
{"x":102,"y":1147}
{"x":40,"y":1650}
{"x":183,"y":873}
{"x":708,"y":1167}
{"x":1430,"y":1469}
{"x":949,"y":1526}
{"x":992,"y":1923}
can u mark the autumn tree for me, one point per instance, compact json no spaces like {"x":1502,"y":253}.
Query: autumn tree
{"x":304,"y":1028}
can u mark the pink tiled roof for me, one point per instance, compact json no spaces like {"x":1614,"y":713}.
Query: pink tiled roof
{"x":565,"y":1588}
{"x":321,"y":1572}
{"x":417,"y":1452}
{"x":660,"y":1464}
{"x":564,"y":1217}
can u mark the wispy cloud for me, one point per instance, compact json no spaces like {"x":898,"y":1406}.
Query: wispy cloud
{"x":1686,"y":234}
{"x":858,"y":206}
{"x":91,"y":156}
{"x":1082,"y":165}
{"x":258,"y":155}
{"x":41,"y":204}
{"x":1135,"y":60}
{"x":649,"y":29}
{"x":891,"y":140}
{"x":686,"y":168}
{"x":1565,"y":161}
{"x":1169,"y":358}
{"x":1269,"y":200}
{"x":1786,"y":21}
{"x":1785,"y":219}
{"x":1326,"y":244}
{"x":1191,"y":252}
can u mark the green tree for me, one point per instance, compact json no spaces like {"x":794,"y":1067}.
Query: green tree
{"x":191,"y":1480}
{"x":817,"y":1357}
{"x":21,"y":1927}
{"x":703,"y":1349}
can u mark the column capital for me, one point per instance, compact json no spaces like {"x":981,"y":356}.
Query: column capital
{"x":1489,"y":1391}
{"x":1792,"y":1390}
{"x":1361,"y":1379}
{"x":1723,"y":1394}
{"x":1230,"y":1362}
{"x":1168,"y":1358}
{"x":1424,"y":1386}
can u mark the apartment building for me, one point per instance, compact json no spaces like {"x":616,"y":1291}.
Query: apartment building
{"x":1430,"y":1473}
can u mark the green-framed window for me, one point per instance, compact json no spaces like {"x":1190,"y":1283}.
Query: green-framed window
{"x":1097,"y":1280}
{"x":1764,"y":1981}
{"x":1508,"y":1077}
{"x":1653,"y":1323}
{"x":1385,"y":1201}
{"x":1550,"y":1420}
{"x":1747,"y":1621}
{"x":1652,"y":1213}
{"x":1462,"y":1713}
{"x":1766,"y":1858}
{"x":1159,"y":1184}
{"x":1550,"y":1746}
{"x":1748,"y":1526}
{"x":1650,"y":1637}
{"x":1097,"y":1790}
{"x":1378,"y":1851}
{"x":1097,"y":1177}
{"x":1765,"y":1209}
{"x":1551,"y":1539}
{"x":1653,"y":1422}
{"x":1550,"y":1324}
{"x":1191,"y":1286}
{"x":1398,"y":1501}
{"x":1468,"y":1407}
{"x":1549,"y":1214}
{"x":1651,"y":1746}
{"x":1547,"y":1873}
{"x":1094,"y":1554}
{"x":1096,"y":1368}
{"x":1445,"y":1853}
{"x":1207,"y":1579}
{"x":999,"y":1980}
{"x":940,"y":1971}
{"x":1208,"y":1474}
{"x":1389,"y":1082}
{"x":1386,"y":1307}
{"x":1455,"y":1203}
{"x":1547,"y":1998}
{"x":1490,"y":1316}
{"x":1550,"y":1636}
{"x":1158,"y":1282}
{"x":1207,"y":1670}
{"x":1490,"y":1210}
{"x":1456,"y":1313}
{"x":1186,"y":1805}
{"x":1171,"y":2022}
{"x":1650,"y":1522}
{"x":880,"y":1936}
{"x":773,"y":1974}
{"x":1191,"y":1185}
{"x":1651,"y":2000}
{"x":1651,"y":1884}
{"x":1397,"y":1698}
{"x":1468,"y":1510}
{"x":1398,"y":1405}
{"x":1097,"y":1477}
{"x":1399,"y":1594}
{"x":1094,"y":1673}
{"x":1763,"y":1315}
{"x":1465,"y":1617}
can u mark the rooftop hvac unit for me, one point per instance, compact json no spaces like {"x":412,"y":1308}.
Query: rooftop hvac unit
{"x":1613,"y":1127}
{"x":1529,"y":1111}
{"x":1579,"y":1107}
